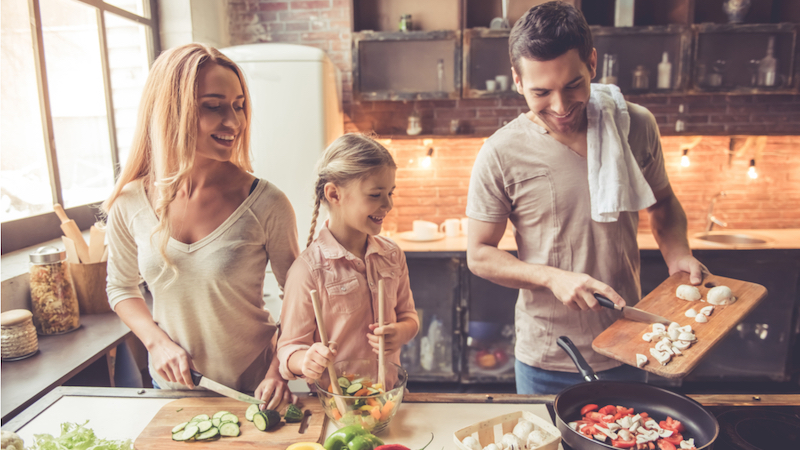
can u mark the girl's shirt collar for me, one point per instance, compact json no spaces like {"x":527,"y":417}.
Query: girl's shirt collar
{"x":332,"y":249}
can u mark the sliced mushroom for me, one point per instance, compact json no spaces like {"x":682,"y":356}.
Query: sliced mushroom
{"x":701,"y":318}
{"x":613,"y":426}
{"x":690,"y":312}
{"x":625,"y":422}
{"x":673,"y":333}
{"x":681,"y":345}
{"x":624,"y":434}
{"x":636,"y":418}
{"x":720,"y":295}
{"x":687,"y":444}
{"x":651,"y":424}
{"x":673,"y":326}
{"x":648,"y":337}
{"x":573,"y":425}
{"x":634,"y":427}
{"x":687,"y":328}
{"x":641,"y":360}
{"x":688,"y":292}
{"x":676,"y":351}
{"x":707,"y":310}
{"x":661,"y":357}
{"x":665,"y":346}
{"x":665,"y":433}
{"x":659,"y":328}
{"x":686,"y":336}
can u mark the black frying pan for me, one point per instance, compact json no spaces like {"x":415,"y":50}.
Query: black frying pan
{"x":657,"y":402}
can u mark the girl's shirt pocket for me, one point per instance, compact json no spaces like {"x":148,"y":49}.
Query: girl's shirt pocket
{"x":344,"y":296}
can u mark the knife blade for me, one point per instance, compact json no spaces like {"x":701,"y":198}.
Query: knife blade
{"x":631,"y":313}
{"x":199,"y":380}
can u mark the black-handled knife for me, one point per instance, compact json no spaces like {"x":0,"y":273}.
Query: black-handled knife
{"x":631,"y":313}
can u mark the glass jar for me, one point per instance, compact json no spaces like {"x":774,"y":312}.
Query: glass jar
{"x":405,"y":23}
{"x":640,"y":78}
{"x":53,"y":299}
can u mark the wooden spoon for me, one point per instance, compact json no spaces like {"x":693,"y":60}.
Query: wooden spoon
{"x":323,"y":335}
{"x":381,"y":339}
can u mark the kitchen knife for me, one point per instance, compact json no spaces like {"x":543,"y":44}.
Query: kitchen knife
{"x":631,"y":313}
{"x":199,"y":380}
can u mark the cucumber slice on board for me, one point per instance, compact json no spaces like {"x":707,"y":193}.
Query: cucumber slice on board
{"x":260,"y":420}
{"x":203,"y":426}
{"x":210,"y":434}
{"x":267,"y":419}
{"x":189,"y":432}
{"x":229,"y":429}
{"x":215,"y":421}
{"x":251,"y":410}
{"x":219,"y":414}
{"x":179,"y":427}
{"x":233,"y":418}
{"x":200,"y":418}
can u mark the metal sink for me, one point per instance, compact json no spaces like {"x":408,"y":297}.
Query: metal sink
{"x":734,"y":239}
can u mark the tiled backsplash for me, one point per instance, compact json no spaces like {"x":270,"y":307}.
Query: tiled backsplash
{"x":439,"y":192}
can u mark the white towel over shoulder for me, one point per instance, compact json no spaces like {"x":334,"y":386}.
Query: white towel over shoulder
{"x":616,"y":182}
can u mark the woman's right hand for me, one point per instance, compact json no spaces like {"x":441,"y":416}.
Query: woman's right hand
{"x":317,"y":358}
{"x":172,"y":363}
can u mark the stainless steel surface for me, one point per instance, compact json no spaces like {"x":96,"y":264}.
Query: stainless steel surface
{"x":710,"y":218}
{"x":642,"y":316}
{"x":228,"y":392}
{"x":732,"y":238}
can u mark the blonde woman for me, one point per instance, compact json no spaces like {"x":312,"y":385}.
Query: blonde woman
{"x":189,"y":217}
{"x":344,"y":263}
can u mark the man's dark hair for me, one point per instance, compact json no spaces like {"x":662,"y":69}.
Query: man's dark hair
{"x":547,"y":31}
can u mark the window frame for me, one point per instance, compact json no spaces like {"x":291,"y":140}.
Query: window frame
{"x":28,"y":231}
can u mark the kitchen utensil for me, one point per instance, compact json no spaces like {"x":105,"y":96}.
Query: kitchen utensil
{"x":71,"y":230}
{"x":499,"y":23}
{"x":71,"y":249}
{"x":631,"y":313}
{"x":157,"y":434}
{"x":424,"y":229}
{"x":381,"y":338}
{"x":623,"y":339}
{"x":502,"y":82}
{"x":90,"y":287}
{"x":700,"y":425}
{"x":372,"y":411}
{"x":450,"y":227}
{"x":97,"y":238}
{"x":487,"y":431}
{"x":199,"y":380}
{"x":323,"y":336}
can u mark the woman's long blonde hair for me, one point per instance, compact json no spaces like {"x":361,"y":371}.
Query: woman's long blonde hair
{"x":350,"y":157}
{"x":165,"y":140}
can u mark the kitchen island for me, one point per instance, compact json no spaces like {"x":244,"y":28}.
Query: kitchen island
{"x":119,"y":413}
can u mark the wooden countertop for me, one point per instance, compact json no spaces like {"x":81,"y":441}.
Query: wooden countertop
{"x":778,"y":239}
{"x":60,"y":357}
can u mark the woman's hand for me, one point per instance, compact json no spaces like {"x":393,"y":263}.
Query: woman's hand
{"x":317,"y":359}
{"x":274,"y":390}
{"x":172,"y":363}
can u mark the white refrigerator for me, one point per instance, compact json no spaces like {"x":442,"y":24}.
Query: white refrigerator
{"x":295,"y":93}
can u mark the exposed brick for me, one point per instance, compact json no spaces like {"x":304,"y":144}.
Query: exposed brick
{"x":297,"y":26}
{"x":316,"y":4}
{"x":273,"y":6}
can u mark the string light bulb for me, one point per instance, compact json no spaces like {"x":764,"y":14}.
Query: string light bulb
{"x":426,"y":161}
{"x":751,"y":171}
{"x":685,"y":158}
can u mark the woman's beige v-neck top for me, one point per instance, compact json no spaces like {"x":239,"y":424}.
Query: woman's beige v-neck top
{"x":214,"y":308}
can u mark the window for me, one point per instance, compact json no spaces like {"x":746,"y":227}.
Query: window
{"x":72,"y":75}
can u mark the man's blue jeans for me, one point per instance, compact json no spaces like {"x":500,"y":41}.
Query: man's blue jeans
{"x":531,"y":380}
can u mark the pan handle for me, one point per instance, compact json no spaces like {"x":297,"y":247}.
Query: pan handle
{"x":583,"y":367}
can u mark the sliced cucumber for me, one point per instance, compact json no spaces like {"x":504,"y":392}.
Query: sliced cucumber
{"x":251,"y":410}
{"x":353,"y":388}
{"x":215,"y":421}
{"x":200,"y":418}
{"x":229,"y":429}
{"x":219,"y":414}
{"x":189,"y":432}
{"x":260,"y":420}
{"x":179,"y":427}
{"x":343,"y":382}
{"x":373,"y":390}
{"x":203,"y":426}
{"x":210,"y":434}
{"x":233,"y":418}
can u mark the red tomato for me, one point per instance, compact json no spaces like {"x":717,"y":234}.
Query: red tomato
{"x":624,"y":411}
{"x":644,"y":415}
{"x":594,"y":416}
{"x":588,"y":408}
{"x":619,"y":443}
{"x":663,"y":424}
{"x":589,"y":430}
{"x":675,"y":439}
{"x":665,"y":445}
{"x":609,"y":418}
{"x":675,"y":424}
{"x":608,"y":409}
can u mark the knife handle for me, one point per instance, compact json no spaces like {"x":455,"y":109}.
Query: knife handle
{"x":606,"y":303}
{"x":196,"y":377}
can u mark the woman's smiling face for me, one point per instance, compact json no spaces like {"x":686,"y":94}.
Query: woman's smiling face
{"x":221,"y":117}
{"x":557,"y":91}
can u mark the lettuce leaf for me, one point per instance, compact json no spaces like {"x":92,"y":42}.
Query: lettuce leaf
{"x":76,"y":436}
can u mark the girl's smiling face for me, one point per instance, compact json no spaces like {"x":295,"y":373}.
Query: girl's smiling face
{"x":362,"y":205}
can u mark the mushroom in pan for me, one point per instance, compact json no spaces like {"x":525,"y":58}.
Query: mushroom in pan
{"x":687,"y":444}
{"x":720,"y":295}
{"x":688,"y":292}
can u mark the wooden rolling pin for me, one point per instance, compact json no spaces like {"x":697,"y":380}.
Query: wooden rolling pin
{"x":71,"y":230}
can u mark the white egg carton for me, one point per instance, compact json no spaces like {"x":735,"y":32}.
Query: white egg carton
{"x":492,"y":430}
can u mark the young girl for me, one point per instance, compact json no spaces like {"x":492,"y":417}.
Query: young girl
{"x":355,"y":181}
{"x":189,"y":217}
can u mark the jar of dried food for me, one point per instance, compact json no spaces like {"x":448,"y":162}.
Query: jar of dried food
{"x":18,"y":335}
{"x":55,"y":305}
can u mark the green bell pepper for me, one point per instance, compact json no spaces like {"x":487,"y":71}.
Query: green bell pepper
{"x":352,"y":437}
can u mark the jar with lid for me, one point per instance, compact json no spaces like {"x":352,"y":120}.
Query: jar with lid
{"x":53,"y":300}
{"x":18,"y":335}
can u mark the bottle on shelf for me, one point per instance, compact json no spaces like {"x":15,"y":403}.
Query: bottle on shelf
{"x":768,"y":66}
{"x":664,"y":72}
{"x":680,"y":124}
{"x":609,"y":69}
{"x":440,"y":74}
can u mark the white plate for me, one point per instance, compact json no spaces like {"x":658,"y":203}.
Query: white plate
{"x":410,"y":236}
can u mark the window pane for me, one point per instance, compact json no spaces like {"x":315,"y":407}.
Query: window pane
{"x":24,"y":180}
{"x":128,"y":58}
{"x":134,"y":6}
{"x":77,"y":100}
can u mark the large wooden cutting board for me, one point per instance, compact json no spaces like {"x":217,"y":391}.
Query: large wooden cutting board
{"x":623,"y":339}
{"x":157,"y":435}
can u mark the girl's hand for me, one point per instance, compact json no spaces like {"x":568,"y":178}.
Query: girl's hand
{"x":172,"y":363}
{"x":393,"y":341}
{"x":317,"y":359}
{"x":274,"y":390}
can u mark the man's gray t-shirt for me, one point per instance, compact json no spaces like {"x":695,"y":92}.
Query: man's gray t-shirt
{"x":525,"y":175}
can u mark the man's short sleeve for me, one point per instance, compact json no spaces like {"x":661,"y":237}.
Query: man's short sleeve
{"x":487,"y":200}
{"x":645,"y":143}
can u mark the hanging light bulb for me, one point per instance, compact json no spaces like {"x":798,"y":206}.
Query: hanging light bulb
{"x":685,"y":158}
{"x":426,"y":161}
{"x":751,"y":172}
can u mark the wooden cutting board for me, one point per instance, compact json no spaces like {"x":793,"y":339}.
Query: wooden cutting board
{"x":157,"y":435}
{"x":623,"y":339}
